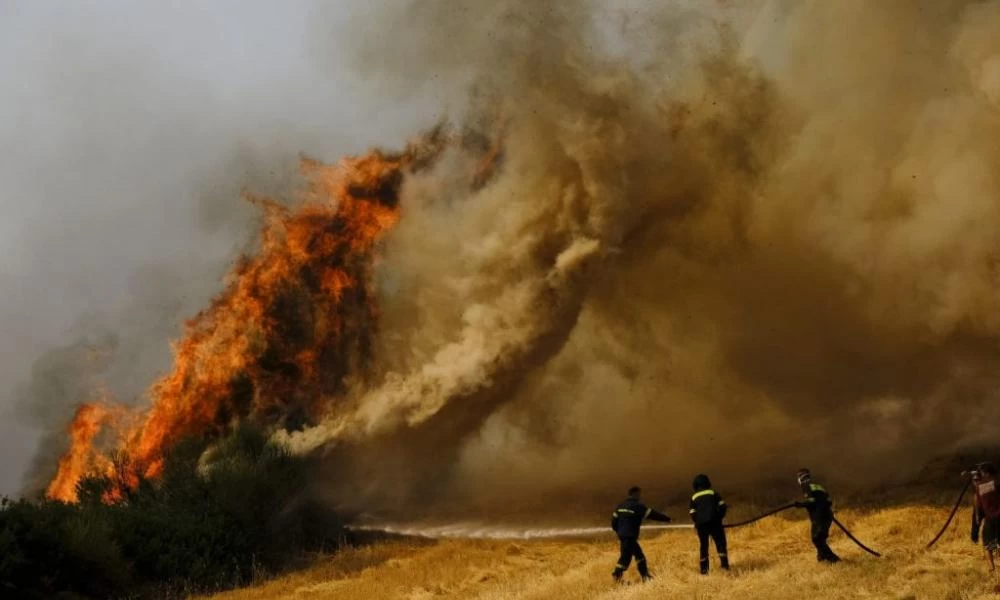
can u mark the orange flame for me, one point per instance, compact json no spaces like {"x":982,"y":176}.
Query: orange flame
{"x":81,"y":458}
{"x":294,"y":321}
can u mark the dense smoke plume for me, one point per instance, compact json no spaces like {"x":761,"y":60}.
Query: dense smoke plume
{"x":772,"y":244}
{"x":737,"y":241}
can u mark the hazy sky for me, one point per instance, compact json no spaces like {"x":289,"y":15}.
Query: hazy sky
{"x":118,"y":118}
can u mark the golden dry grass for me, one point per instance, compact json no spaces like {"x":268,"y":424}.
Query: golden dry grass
{"x":772,"y":560}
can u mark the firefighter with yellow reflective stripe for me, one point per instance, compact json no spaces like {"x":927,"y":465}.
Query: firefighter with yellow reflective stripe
{"x":820,"y":507}
{"x":707,"y":510}
{"x":626,"y":522}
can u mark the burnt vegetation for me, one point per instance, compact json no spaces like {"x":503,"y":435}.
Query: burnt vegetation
{"x":212,"y":521}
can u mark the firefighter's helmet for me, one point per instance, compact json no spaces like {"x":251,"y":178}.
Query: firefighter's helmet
{"x":803,"y":476}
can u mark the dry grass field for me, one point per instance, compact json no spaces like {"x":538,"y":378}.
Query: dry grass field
{"x":771,"y":560}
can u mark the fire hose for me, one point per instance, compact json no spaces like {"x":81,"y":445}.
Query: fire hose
{"x":954,"y":510}
{"x":854,"y":539}
{"x":759,"y":517}
{"x":775,"y":511}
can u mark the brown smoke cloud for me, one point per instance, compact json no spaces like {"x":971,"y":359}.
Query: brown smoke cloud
{"x":732,"y":241}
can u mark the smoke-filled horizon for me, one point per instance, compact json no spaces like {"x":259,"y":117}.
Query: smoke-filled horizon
{"x":738,"y":240}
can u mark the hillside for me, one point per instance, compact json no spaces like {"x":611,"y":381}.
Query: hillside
{"x":772,"y":560}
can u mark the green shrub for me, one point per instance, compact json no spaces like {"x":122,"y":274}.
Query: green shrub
{"x":204,"y":524}
{"x":50,"y":547}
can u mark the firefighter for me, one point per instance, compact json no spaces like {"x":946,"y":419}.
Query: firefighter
{"x":820,"y":507}
{"x":986,"y":510}
{"x":708,"y":509}
{"x":626,"y":522}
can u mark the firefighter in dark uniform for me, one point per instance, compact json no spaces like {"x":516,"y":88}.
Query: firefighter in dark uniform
{"x":626,"y":521}
{"x":986,"y":511}
{"x":708,"y":509}
{"x":820,"y":507}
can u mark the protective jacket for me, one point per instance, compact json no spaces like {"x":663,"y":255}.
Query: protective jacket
{"x":817,"y":502}
{"x":628,"y":516}
{"x":707,"y":506}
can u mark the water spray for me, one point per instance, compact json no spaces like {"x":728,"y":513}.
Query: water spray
{"x":473,"y":531}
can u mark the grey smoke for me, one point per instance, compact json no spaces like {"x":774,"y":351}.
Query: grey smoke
{"x":127,"y":132}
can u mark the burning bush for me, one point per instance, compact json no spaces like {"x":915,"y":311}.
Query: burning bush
{"x":278,"y":344}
